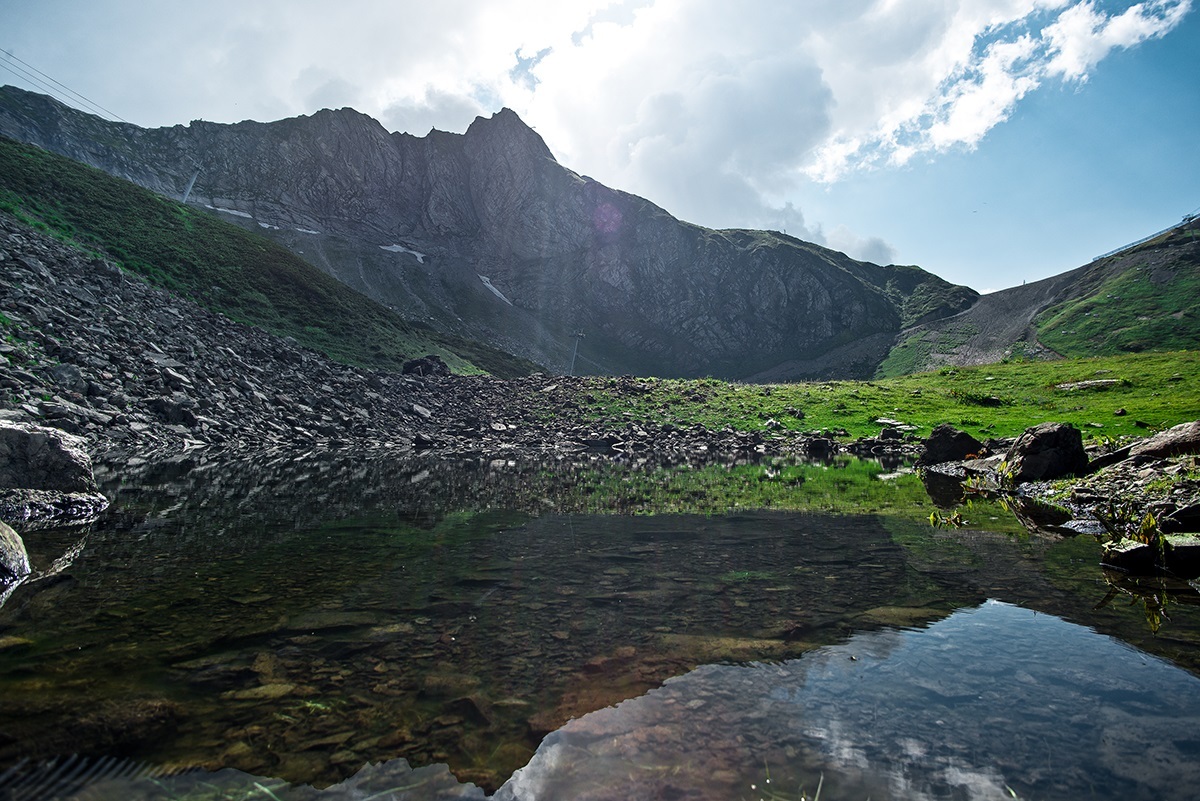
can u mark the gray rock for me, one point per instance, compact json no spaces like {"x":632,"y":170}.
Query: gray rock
{"x":497,"y":241}
{"x":69,"y":377}
{"x":14,"y":561}
{"x":426,"y":365}
{"x":34,"y":457}
{"x":1177,"y":441}
{"x":948,"y":444}
{"x":1047,"y":451}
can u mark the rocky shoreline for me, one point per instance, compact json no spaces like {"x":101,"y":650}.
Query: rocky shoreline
{"x":140,"y":374}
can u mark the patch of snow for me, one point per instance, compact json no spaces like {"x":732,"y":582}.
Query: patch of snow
{"x":234,"y":212}
{"x":307,"y":231}
{"x":488,"y":283}
{"x":268,"y":225}
{"x":402,"y":249}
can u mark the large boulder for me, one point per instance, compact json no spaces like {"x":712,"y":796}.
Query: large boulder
{"x":426,"y":365}
{"x":1047,"y":451}
{"x":45,"y":476}
{"x":14,"y":561}
{"x":37,"y":458}
{"x":947,"y":444}
{"x":1180,"y":440}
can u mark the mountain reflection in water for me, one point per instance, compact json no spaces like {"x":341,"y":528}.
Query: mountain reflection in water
{"x":485,"y":626}
{"x":993,"y":701}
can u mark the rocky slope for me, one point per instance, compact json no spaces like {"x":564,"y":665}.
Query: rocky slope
{"x":485,"y":235}
{"x":140,"y":373}
{"x":1138,"y":299}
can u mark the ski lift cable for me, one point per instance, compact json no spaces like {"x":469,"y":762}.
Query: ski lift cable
{"x":50,"y":90}
{"x":69,"y":90}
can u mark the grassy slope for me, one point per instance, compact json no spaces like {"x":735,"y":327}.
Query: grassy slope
{"x":1148,"y":306}
{"x":1156,"y":390}
{"x":221,"y":266}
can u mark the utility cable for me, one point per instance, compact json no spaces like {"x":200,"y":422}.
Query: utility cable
{"x":41,"y":85}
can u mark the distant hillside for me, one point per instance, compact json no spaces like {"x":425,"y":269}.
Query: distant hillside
{"x":1143,"y":298}
{"x":484,"y":235}
{"x":243,"y":275}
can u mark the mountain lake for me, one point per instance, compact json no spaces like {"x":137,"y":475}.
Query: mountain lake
{"x":333,"y":626}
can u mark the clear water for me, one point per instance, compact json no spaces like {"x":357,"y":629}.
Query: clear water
{"x":426,"y":630}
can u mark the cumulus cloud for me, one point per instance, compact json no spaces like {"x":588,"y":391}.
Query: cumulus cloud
{"x":1082,"y":36}
{"x":870,"y":248}
{"x":970,"y":75}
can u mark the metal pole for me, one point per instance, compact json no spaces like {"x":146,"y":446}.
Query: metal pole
{"x":574,"y":353}
{"x":187,"y":192}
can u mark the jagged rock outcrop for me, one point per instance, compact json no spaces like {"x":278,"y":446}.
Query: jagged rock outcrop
{"x":485,"y":235}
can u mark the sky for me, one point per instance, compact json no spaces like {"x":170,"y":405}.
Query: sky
{"x":991,"y":142}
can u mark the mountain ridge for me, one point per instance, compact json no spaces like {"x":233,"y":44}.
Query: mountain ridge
{"x":484,"y":235}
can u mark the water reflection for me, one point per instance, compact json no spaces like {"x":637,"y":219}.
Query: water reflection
{"x":992,"y":698}
{"x":301,"y":617}
{"x":990,"y":703}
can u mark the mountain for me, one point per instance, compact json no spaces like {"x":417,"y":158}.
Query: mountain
{"x":484,"y":235}
{"x":241,"y":274}
{"x":1140,"y":298}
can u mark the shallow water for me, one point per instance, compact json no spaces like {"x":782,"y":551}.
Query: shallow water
{"x":303,"y":618}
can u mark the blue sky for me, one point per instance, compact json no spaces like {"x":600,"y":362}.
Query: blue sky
{"x":989,"y":141}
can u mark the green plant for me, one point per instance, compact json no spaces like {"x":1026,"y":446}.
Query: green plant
{"x":953,"y":520}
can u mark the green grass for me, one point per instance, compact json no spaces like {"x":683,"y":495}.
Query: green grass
{"x":225,"y":268}
{"x":1156,"y":390}
{"x":1148,"y":307}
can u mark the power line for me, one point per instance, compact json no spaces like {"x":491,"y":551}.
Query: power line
{"x":77,"y":96}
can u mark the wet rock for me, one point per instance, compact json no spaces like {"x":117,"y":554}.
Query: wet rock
{"x":14,"y":561}
{"x":943,"y":482}
{"x":1179,"y":557}
{"x":1047,"y":451}
{"x":948,"y":444}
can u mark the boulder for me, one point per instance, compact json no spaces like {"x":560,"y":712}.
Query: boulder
{"x":176,"y":409}
{"x":1047,"y":451}
{"x":14,"y":561}
{"x":425,"y":366}
{"x":38,"y":458}
{"x":948,"y":444}
{"x":69,"y":377}
{"x":1178,"y":441}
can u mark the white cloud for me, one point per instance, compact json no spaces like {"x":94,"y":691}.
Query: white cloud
{"x":718,"y":111}
{"x":1083,"y":36}
{"x":872,"y":249}
{"x":967,"y":75}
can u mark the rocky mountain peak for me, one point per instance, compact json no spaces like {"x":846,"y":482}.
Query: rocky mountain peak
{"x":505,"y":131}
{"x":484,"y":235}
